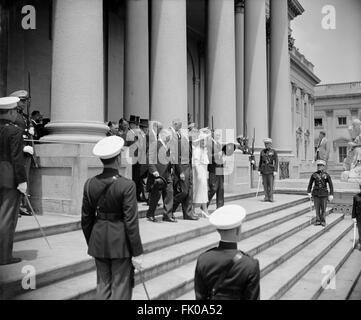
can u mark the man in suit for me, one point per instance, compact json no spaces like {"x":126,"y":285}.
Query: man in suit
{"x":356,"y":214}
{"x":268,"y":167}
{"x":160,"y":178}
{"x":13,"y":180}
{"x":320,"y":194}
{"x":181,"y":156}
{"x":224,"y":272}
{"x":322,"y":151}
{"x":110,"y":224}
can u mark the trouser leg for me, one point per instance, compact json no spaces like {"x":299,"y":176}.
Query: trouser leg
{"x":167,"y":195}
{"x":212,"y":186}
{"x":317,"y":202}
{"x":220,"y":191}
{"x":323,"y":209}
{"x":154,"y":197}
{"x":104,"y":279}
{"x":122,"y":279}
{"x":187,"y":203}
{"x":265,"y":180}
{"x":9,"y":209}
{"x":359,"y":231}
{"x":271,"y":186}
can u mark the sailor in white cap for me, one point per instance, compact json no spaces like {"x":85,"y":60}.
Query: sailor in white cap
{"x":110,"y":224}
{"x":320,"y":193}
{"x":13,"y":180}
{"x":224,"y":272}
{"x":268,"y":167}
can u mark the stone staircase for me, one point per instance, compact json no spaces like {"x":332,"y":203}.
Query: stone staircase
{"x":291,"y":251}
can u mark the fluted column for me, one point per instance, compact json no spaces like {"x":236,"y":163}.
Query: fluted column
{"x":221,"y":65}
{"x":239,"y":24}
{"x":280,"y":87}
{"x":136,"y":64}
{"x":77,"y":98}
{"x":169,"y":61}
{"x":256,"y":70}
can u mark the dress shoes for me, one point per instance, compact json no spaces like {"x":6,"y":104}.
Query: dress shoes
{"x":191,"y":217}
{"x":317,"y":223}
{"x":323,"y":224}
{"x":167,"y":219}
{"x":11,"y":261}
{"x":152,"y":219}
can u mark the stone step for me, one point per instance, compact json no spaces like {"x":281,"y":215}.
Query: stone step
{"x":172,"y":256}
{"x":346,"y":278}
{"x":27,"y":227}
{"x":355,"y":294}
{"x":276,"y":283}
{"x":312,"y":284}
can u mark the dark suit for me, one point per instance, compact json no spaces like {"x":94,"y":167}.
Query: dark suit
{"x":112,"y":232}
{"x":268,"y":164}
{"x":242,"y":281}
{"x":12,"y":173}
{"x":159,"y":160}
{"x":356,"y":213}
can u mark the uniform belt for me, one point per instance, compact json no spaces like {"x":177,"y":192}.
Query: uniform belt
{"x":109,"y":216}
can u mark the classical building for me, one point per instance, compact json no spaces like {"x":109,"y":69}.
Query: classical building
{"x":336,"y":105}
{"x":94,"y":60}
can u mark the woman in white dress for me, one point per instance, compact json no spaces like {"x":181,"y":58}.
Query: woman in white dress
{"x":200,"y":163}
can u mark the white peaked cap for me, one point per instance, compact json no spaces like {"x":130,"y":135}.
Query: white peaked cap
{"x":9,"y":103}
{"x":108,"y":147}
{"x":228,"y":217}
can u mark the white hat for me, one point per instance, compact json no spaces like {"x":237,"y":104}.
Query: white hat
{"x":29,"y":149}
{"x":267,"y":140}
{"x":321,"y":162}
{"x":108,"y":147}
{"x":8,"y":103}
{"x":22,"y":94}
{"x":228,"y":217}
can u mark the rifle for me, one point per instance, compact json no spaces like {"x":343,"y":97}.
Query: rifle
{"x":252,"y":157}
{"x":31,"y":137}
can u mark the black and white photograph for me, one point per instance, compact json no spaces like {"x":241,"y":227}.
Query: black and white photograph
{"x":191,"y":151}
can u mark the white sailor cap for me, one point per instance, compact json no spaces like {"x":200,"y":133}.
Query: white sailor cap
{"x":321,"y":162}
{"x":267,"y":140}
{"x":21,"y":94}
{"x":228,"y":217}
{"x":109,"y":147}
{"x":8,"y":103}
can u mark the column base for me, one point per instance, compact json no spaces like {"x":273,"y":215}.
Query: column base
{"x":81,"y":132}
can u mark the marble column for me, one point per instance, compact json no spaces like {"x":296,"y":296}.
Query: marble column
{"x":280,"y":87}
{"x":77,"y":99}
{"x":256,"y":70}
{"x":221,"y":67}
{"x":136,"y":64}
{"x":169,"y":61}
{"x":239,"y":34}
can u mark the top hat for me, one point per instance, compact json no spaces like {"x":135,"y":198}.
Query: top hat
{"x":144,"y":123}
{"x":134,"y":119}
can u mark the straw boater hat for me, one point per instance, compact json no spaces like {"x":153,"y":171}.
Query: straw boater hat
{"x":108,"y":148}
{"x":228,"y":217}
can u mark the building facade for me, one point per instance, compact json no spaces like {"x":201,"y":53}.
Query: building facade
{"x":92,"y":60}
{"x":336,"y":106}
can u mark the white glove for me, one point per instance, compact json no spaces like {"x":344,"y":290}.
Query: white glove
{"x":330,"y":198}
{"x":31,"y":131}
{"x":182,"y":176}
{"x":275,"y":173}
{"x":156,"y":174}
{"x":29,"y":150}
{"x":309,"y":195}
{"x":137,"y":262}
{"x":23,"y":187}
{"x":259,"y":173}
{"x":354,"y":220}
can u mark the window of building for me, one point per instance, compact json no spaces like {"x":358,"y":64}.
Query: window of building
{"x":342,"y":121}
{"x":318,"y":122}
{"x":342,"y":153}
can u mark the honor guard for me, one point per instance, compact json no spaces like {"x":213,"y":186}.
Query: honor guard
{"x":110,"y":224}
{"x":12,"y":176}
{"x":224,"y":272}
{"x":356,"y":214}
{"x":320,"y":194}
{"x":268,"y":167}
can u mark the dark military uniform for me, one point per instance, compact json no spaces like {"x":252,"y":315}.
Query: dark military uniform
{"x":12,"y":173}
{"x":110,"y":225}
{"x":242,"y":281}
{"x":320,"y":193}
{"x":356,"y":214}
{"x":216,"y":175}
{"x":268,"y":164}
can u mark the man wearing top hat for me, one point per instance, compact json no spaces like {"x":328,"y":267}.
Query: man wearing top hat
{"x":224,"y":272}
{"x":13,"y":180}
{"x":160,"y":178}
{"x":356,"y":214}
{"x":320,"y":193}
{"x":110,"y":224}
{"x":268,"y":167}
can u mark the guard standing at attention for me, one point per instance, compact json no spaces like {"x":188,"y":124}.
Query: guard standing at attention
{"x":224,"y":272}
{"x":268,"y":167}
{"x":110,"y":224}
{"x":12,"y":177}
{"x":320,"y":193}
